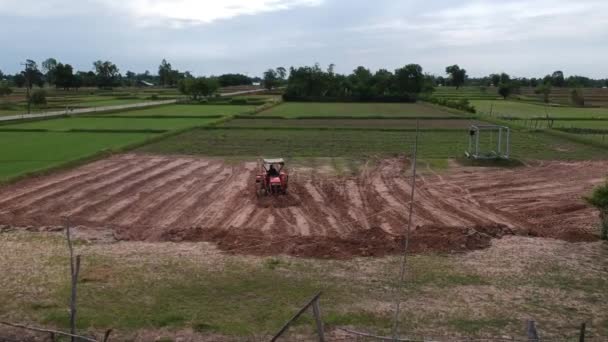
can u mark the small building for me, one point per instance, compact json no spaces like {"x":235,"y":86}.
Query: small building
{"x":144,"y":84}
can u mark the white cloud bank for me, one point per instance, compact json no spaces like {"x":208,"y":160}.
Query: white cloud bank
{"x":152,"y":12}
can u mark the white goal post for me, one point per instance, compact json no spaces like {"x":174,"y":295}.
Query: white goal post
{"x":501,"y":149}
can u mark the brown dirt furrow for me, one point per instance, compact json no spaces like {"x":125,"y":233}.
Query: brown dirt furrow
{"x":94,"y":210}
{"x":143,"y":197}
{"x":155,"y":201}
{"x":59,"y":201}
{"x":40,"y":184}
{"x":28,"y":198}
{"x":153,"y":183}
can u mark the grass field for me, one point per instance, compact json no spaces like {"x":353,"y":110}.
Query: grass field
{"x":456,"y":123}
{"x":198,"y":288}
{"x":58,"y":99}
{"x":595,"y":124}
{"x":528,"y":110}
{"x":187,"y":110}
{"x":294,"y":110}
{"x":356,"y":143}
{"x":24,"y":152}
{"x":110,"y":123}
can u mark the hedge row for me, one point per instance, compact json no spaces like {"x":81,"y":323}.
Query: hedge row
{"x":462,"y":104}
{"x":387,"y":98}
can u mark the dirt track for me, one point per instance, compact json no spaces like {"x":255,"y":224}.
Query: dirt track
{"x":160,"y":198}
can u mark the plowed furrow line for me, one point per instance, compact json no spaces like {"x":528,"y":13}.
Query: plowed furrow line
{"x":126,"y":185}
{"x":222,"y":207}
{"x":52,"y":196}
{"x":186,"y":205}
{"x":157,"y":201}
{"x":154,"y":184}
{"x":26,"y":189}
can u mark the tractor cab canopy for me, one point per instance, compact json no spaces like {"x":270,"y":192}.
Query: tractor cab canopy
{"x":279,"y":161}
{"x":276,"y":163}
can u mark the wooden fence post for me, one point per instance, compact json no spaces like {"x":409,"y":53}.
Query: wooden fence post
{"x":316,"y":309}
{"x":581,"y":337}
{"x":531,"y":331}
{"x":317,"y":312}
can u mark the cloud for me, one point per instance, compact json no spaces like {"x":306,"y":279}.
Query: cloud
{"x":176,"y":13}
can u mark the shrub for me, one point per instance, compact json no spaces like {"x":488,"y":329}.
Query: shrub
{"x":599,"y":199}
{"x":38,"y":97}
{"x":381,"y":98}
{"x":577,"y":98}
{"x":462,"y":104}
{"x":5,"y":89}
{"x":238,"y":101}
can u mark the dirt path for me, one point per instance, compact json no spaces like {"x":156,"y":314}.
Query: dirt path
{"x":162,"y":198}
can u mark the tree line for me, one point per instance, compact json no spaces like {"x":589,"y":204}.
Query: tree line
{"x":104,"y":74}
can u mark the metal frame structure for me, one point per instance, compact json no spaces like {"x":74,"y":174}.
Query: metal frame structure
{"x":503,"y":145}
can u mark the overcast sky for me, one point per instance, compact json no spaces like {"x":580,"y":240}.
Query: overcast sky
{"x":523,"y":38}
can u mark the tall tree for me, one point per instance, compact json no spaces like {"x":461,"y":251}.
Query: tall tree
{"x":544,"y":90}
{"x":557,"y":79}
{"x":32,"y":76}
{"x":271,"y":79}
{"x":1,"y":75}
{"x":107,"y":74}
{"x":48,"y":68}
{"x":165,"y":73}
{"x":495,"y":78}
{"x":282,"y":73}
{"x":198,"y":88}
{"x":457,"y":75}
{"x":505,"y":89}
{"x":5,"y":89}
{"x":409,"y":79}
{"x":64,"y":76}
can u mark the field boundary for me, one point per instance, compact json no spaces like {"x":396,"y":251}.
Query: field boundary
{"x":97,"y":155}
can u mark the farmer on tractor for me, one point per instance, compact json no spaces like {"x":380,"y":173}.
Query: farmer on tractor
{"x":272,"y":178}
{"x":272,"y":172}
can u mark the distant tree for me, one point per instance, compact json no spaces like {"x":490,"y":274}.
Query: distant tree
{"x":505,"y":90}
{"x":409,"y":79}
{"x":48,"y":68}
{"x":107,"y":74}
{"x":38,"y":97}
{"x":534,"y":82}
{"x":227,"y":80}
{"x":198,"y":88}
{"x":166,"y":74}
{"x":131,"y":79}
{"x":577,"y":97}
{"x":361,"y":82}
{"x":599,"y":199}
{"x":64,"y":76}
{"x":544,"y":90}
{"x":382,"y":82}
{"x":1,"y":75}
{"x":495,"y":79}
{"x":19,"y":80}
{"x":504,"y":78}
{"x":557,"y":79}
{"x":271,"y":79}
{"x":282,"y":73}
{"x":5,"y":89}
{"x":87,"y":79}
{"x":457,"y":75}
{"x":32,"y":75}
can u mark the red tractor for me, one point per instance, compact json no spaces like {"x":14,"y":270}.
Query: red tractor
{"x":272,"y":178}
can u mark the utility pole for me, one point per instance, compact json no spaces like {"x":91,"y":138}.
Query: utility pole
{"x":28,"y":86}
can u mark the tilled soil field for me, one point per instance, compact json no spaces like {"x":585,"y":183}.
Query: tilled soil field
{"x":164,"y":198}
